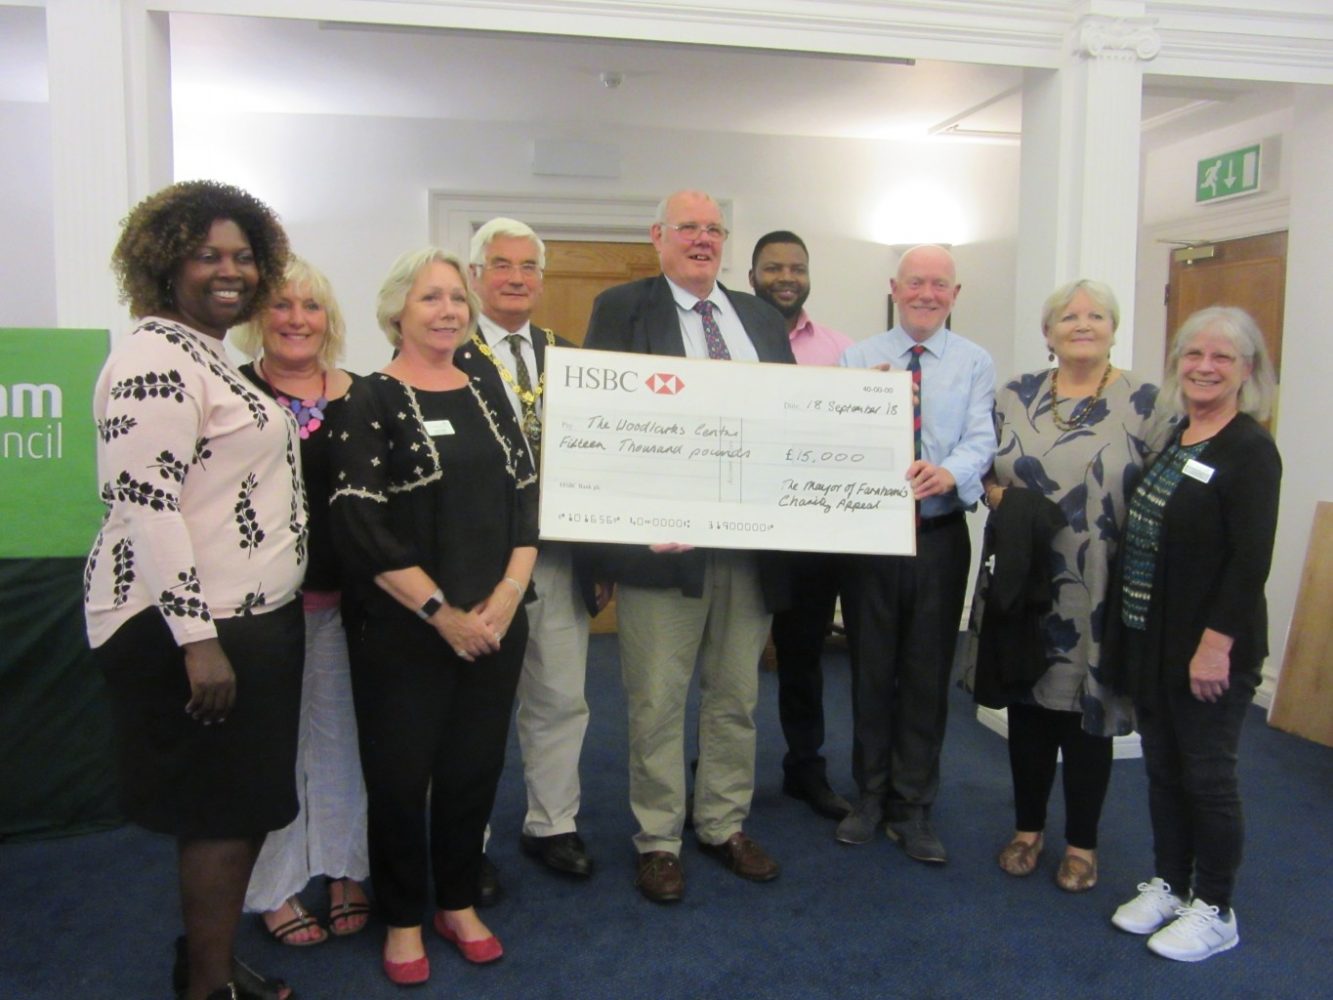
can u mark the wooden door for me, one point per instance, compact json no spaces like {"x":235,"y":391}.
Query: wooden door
{"x":1303,"y":703}
{"x":1250,"y":273}
{"x":575,"y":273}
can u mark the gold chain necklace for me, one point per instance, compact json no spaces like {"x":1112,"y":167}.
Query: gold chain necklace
{"x":1075,"y":422}
{"x":527,"y":397}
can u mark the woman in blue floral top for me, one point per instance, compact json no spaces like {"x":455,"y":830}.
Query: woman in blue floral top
{"x":1078,"y":434}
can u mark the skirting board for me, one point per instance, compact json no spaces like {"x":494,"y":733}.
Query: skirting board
{"x":997,"y":721}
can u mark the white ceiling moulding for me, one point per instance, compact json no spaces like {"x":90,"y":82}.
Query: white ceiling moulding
{"x":1278,"y":40}
{"x":1028,"y":33}
{"x":456,"y":215}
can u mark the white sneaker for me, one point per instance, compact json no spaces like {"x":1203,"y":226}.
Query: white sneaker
{"x":1196,"y":933}
{"x":1150,"y":909}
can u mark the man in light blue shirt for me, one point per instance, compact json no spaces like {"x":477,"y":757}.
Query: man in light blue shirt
{"x":902,"y":613}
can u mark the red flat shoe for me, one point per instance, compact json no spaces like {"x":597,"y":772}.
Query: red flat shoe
{"x":478,"y":952}
{"x":412,"y":973}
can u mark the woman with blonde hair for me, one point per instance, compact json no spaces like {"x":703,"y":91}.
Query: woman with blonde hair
{"x":435,"y":510}
{"x":296,"y":340}
{"x":1078,"y":435}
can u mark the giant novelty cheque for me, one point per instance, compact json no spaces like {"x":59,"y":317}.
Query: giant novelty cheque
{"x":647,"y":449}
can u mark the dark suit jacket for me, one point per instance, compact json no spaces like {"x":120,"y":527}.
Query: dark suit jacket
{"x":478,"y":366}
{"x":640,"y":318}
{"x":1213,"y":558}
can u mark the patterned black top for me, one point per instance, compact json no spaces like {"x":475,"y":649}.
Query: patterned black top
{"x":440,"y":480}
{"x":1143,"y":530}
{"x":206,"y":514}
{"x":322,"y":571}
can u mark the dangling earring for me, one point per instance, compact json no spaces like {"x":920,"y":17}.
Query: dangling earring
{"x":1050,"y":356}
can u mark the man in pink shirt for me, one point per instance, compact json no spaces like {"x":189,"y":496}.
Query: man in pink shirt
{"x":780,"y":275}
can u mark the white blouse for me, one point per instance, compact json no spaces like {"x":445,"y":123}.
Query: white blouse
{"x":201,"y":475}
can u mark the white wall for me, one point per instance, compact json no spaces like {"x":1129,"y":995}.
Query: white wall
{"x":27,"y":251}
{"x":1307,"y":362}
{"x":1301,"y":202}
{"x":353,"y":191}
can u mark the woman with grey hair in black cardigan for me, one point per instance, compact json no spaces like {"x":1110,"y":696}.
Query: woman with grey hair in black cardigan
{"x":1194,"y":628}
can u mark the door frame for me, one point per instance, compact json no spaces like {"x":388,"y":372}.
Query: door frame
{"x":1229,"y":221}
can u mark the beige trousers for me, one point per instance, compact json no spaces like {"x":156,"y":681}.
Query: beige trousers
{"x":662,"y":635}
{"x":552,"y":710}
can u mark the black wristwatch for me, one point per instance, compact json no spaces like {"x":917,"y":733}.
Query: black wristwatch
{"x":433,"y":604}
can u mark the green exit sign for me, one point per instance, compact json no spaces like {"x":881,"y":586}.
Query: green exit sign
{"x":1227,"y":175}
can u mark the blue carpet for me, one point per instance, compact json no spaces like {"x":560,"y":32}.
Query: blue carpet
{"x":93,"y":917}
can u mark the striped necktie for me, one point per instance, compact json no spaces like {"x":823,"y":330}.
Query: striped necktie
{"x":717,"y":347}
{"x":914,"y":366}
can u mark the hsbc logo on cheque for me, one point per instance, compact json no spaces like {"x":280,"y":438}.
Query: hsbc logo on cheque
{"x":611,"y":380}
{"x":664,"y":383}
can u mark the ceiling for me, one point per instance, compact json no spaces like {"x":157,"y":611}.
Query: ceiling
{"x":222,"y":63}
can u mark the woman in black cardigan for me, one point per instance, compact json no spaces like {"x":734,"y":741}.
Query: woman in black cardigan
{"x":1198,"y":546}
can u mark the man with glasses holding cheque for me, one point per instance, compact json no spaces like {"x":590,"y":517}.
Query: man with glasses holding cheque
{"x":678,"y":604}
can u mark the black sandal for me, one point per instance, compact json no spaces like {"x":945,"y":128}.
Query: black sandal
{"x":246,"y":984}
{"x":303,"y":920}
{"x":346,"y":910}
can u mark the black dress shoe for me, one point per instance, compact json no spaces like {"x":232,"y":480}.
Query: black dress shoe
{"x":918,"y":839}
{"x":563,"y":852}
{"x":489,"y":890}
{"x":823,"y":799}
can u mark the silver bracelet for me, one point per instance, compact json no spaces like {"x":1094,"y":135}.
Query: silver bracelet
{"x":517,"y":589}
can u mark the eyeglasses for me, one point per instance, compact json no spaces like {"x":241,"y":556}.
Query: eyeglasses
{"x":693,"y":230}
{"x":505,"y":268}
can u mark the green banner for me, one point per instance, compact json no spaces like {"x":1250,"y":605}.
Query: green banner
{"x":48,"y":444}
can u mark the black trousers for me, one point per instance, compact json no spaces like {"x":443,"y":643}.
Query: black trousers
{"x":1190,"y":752}
{"x":902,"y":618}
{"x":429,"y":722}
{"x":798,"y":638}
{"x":1037,"y":738}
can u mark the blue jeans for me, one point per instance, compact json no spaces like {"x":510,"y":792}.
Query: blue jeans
{"x":1189,"y":749}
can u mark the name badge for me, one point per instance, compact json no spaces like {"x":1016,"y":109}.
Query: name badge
{"x":1197,"y":470}
{"x":442,"y":428}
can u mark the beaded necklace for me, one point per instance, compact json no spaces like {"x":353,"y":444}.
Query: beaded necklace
{"x":309,"y":413}
{"x":1078,"y":415}
{"x":526,"y":397}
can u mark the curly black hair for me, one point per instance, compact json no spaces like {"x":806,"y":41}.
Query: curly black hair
{"x":166,"y":227}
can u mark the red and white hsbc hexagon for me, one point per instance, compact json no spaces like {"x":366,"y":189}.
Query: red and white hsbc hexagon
{"x":664,"y":383}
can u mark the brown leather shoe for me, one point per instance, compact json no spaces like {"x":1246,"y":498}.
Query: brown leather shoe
{"x":744,"y":857}
{"x":660,"y":877}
